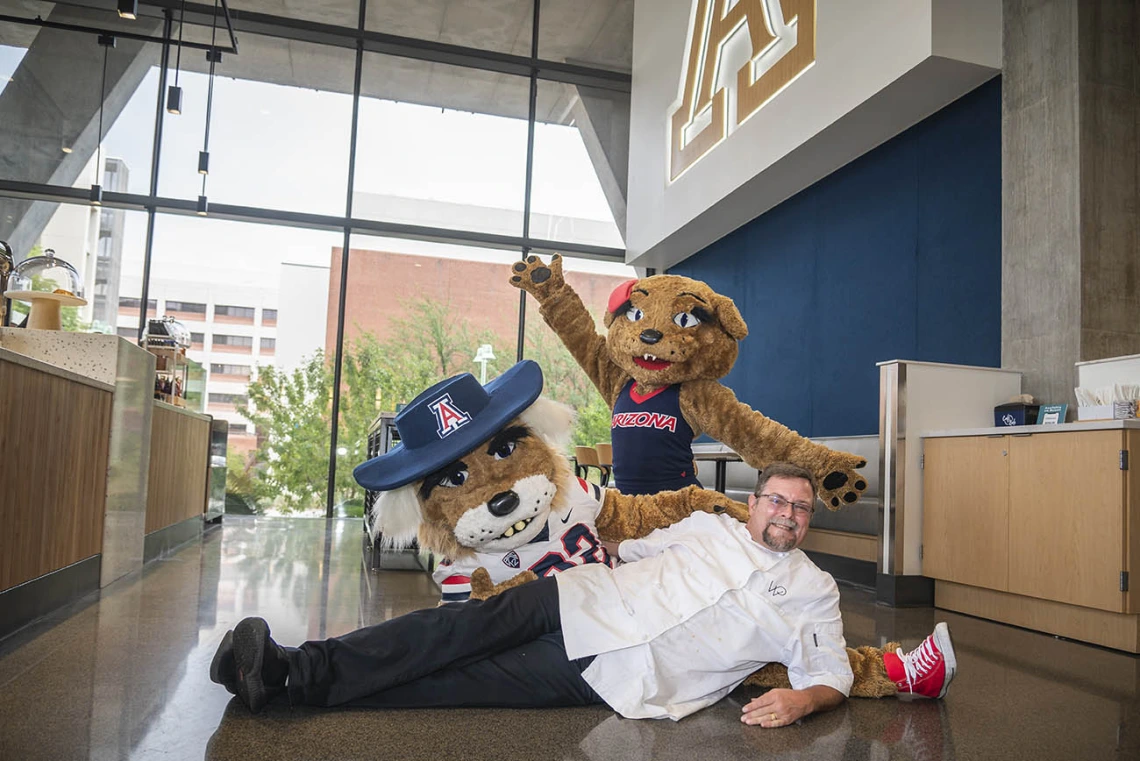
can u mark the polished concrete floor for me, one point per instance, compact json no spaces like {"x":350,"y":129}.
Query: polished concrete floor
{"x":123,"y":675}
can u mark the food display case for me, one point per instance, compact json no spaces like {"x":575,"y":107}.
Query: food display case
{"x":382,"y":436}
{"x":167,"y":339}
{"x":7,"y":264}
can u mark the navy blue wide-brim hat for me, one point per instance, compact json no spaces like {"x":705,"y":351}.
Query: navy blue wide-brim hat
{"x":449,"y":420}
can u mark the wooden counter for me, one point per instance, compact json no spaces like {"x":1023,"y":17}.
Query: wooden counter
{"x":179,"y":466}
{"x":1037,"y":526}
{"x":54,"y":444}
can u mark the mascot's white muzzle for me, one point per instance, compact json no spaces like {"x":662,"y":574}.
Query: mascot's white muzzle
{"x":509,"y":519}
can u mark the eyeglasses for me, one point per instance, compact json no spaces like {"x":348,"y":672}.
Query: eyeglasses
{"x":799,"y":508}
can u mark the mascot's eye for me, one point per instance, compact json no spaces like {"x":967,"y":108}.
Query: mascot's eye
{"x":453,"y":479}
{"x":634,"y":314}
{"x":686,"y":320}
{"x":505,"y":450}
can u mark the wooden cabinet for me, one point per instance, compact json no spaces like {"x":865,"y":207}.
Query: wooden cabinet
{"x":965,"y":529}
{"x":1042,"y":515}
{"x":1066,"y":518}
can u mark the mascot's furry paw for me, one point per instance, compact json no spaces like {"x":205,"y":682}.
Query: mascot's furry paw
{"x":842,"y":484}
{"x":718,"y":504}
{"x":482,"y":587}
{"x":871,"y":680}
{"x":538,"y":279}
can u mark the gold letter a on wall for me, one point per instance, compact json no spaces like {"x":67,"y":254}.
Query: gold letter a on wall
{"x":701,"y":120}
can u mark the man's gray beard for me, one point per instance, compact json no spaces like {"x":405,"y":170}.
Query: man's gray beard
{"x":779,"y":545}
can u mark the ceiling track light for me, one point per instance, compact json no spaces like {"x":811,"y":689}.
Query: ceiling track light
{"x":213,"y":55}
{"x":174,"y":92}
{"x":129,"y":9}
{"x":96,"y":196}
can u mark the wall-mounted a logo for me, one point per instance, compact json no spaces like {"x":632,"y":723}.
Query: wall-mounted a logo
{"x":777,"y":47}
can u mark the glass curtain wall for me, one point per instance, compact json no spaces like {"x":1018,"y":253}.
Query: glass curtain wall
{"x":471,"y":144}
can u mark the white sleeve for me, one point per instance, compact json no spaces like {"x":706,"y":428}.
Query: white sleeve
{"x":819,"y":652}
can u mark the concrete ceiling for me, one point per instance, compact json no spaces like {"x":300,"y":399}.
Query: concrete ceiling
{"x":585,"y":32}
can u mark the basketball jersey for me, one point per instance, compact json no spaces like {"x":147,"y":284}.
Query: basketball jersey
{"x":568,"y":540}
{"x":652,"y":443}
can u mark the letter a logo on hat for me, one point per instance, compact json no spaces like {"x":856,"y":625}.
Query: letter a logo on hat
{"x":448,"y":417}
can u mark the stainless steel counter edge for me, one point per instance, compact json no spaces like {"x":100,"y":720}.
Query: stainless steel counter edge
{"x":46,"y":367}
{"x":1091,"y":425}
{"x":183,"y":410}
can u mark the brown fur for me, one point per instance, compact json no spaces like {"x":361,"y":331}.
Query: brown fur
{"x":700,"y":356}
{"x":625,"y":516}
{"x":482,"y":587}
{"x":486,"y":478}
{"x":871,"y":680}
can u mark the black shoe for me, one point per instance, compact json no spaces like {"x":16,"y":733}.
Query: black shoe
{"x":261,"y":665}
{"x":223,"y":670}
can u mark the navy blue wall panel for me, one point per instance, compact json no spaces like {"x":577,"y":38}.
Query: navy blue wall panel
{"x":895,"y":256}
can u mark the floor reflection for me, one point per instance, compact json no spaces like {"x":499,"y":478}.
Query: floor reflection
{"x":124,"y":675}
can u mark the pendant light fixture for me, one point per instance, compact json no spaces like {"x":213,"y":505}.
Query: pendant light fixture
{"x":174,"y":92}
{"x":129,"y":9}
{"x":108,"y":42}
{"x":213,"y":55}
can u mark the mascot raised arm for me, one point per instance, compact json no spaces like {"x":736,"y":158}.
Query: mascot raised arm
{"x":479,"y":479}
{"x":669,"y":341}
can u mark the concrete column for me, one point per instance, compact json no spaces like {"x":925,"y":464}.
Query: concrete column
{"x":602,"y":118}
{"x":1070,"y":122}
{"x":1109,"y":64}
{"x":53,"y":101}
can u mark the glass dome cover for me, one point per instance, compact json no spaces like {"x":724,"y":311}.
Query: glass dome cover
{"x":167,"y":332}
{"x":46,"y":274}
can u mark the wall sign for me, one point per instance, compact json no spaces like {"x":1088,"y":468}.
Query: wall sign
{"x":781,"y":46}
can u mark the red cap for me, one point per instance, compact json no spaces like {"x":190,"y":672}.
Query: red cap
{"x":620,"y":295}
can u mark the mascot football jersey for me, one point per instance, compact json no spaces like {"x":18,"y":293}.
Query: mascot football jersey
{"x":568,"y":540}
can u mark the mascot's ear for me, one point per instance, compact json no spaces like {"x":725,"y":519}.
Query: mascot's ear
{"x":618,"y":299}
{"x":729,"y":317}
{"x":396,"y":517}
{"x":553,"y":421}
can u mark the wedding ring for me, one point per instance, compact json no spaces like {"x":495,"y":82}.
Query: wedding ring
{"x":774,"y":717}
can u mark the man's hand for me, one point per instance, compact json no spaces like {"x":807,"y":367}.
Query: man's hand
{"x":779,"y":707}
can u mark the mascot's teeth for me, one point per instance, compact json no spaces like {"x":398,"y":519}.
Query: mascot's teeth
{"x":650,"y":357}
{"x":516,"y":528}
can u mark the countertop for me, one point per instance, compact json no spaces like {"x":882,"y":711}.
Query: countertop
{"x":1024,"y":430}
{"x":182,"y":410}
{"x":23,"y":360}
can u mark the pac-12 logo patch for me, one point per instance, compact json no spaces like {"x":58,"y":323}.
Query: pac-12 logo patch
{"x":448,"y":417}
{"x":512,"y":559}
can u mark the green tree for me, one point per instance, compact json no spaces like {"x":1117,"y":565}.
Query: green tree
{"x":566,"y":382}
{"x":431,"y":333}
{"x":291,"y":410}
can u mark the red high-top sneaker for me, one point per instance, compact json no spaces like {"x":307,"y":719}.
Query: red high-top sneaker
{"x":926,"y":671}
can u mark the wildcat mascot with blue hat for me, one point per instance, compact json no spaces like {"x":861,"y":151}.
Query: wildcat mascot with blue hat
{"x":478,"y":479}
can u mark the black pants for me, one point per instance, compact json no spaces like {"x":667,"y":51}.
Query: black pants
{"x":504,"y":652}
